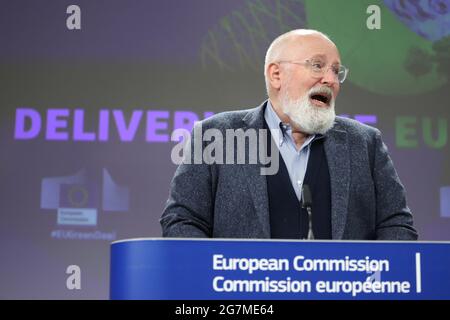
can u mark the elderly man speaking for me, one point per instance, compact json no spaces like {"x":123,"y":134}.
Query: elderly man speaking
{"x":353,"y":190}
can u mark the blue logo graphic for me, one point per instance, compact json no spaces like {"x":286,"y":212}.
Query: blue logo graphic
{"x":77,"y":198}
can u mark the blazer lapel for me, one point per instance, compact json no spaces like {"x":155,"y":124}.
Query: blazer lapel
{"x":256,"y":182}
{"x":338,"y":158}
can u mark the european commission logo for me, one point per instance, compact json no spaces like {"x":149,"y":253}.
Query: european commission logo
{"x":79,"y":197}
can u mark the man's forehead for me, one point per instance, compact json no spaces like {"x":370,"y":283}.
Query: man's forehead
{"x":308,"y":46}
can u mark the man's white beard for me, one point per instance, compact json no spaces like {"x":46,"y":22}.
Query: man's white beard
{"x":307,"y":117}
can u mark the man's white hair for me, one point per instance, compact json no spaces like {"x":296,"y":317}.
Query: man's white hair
{"x":276,"y":48}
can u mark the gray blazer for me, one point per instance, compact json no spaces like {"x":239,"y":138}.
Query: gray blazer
{"x":368,"y":200}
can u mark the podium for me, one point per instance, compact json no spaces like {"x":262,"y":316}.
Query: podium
{"x":229,"y":269}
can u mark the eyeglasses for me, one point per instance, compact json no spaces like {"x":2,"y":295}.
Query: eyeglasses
{"x":318,"y":68}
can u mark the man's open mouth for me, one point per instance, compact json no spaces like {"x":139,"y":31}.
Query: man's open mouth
{"x":321,"y":98}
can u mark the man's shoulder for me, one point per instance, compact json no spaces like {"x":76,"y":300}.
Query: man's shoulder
{"x":229,"y":119}
{"x":355,"y":128}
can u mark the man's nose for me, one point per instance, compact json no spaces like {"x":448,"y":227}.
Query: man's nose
{"x":330,"y":78}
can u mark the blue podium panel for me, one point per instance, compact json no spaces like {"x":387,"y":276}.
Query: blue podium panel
{"x":188,"y":269}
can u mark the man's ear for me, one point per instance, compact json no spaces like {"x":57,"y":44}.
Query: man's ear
{"x":273,"y":73}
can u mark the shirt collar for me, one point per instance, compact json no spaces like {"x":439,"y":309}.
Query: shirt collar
{"x":272,"y":119}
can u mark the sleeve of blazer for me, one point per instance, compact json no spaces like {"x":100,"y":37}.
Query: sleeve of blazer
{"x":188,"y":211}
{"x":394,"y":220}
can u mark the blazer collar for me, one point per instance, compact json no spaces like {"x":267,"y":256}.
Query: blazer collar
{"x":255,"y":117}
